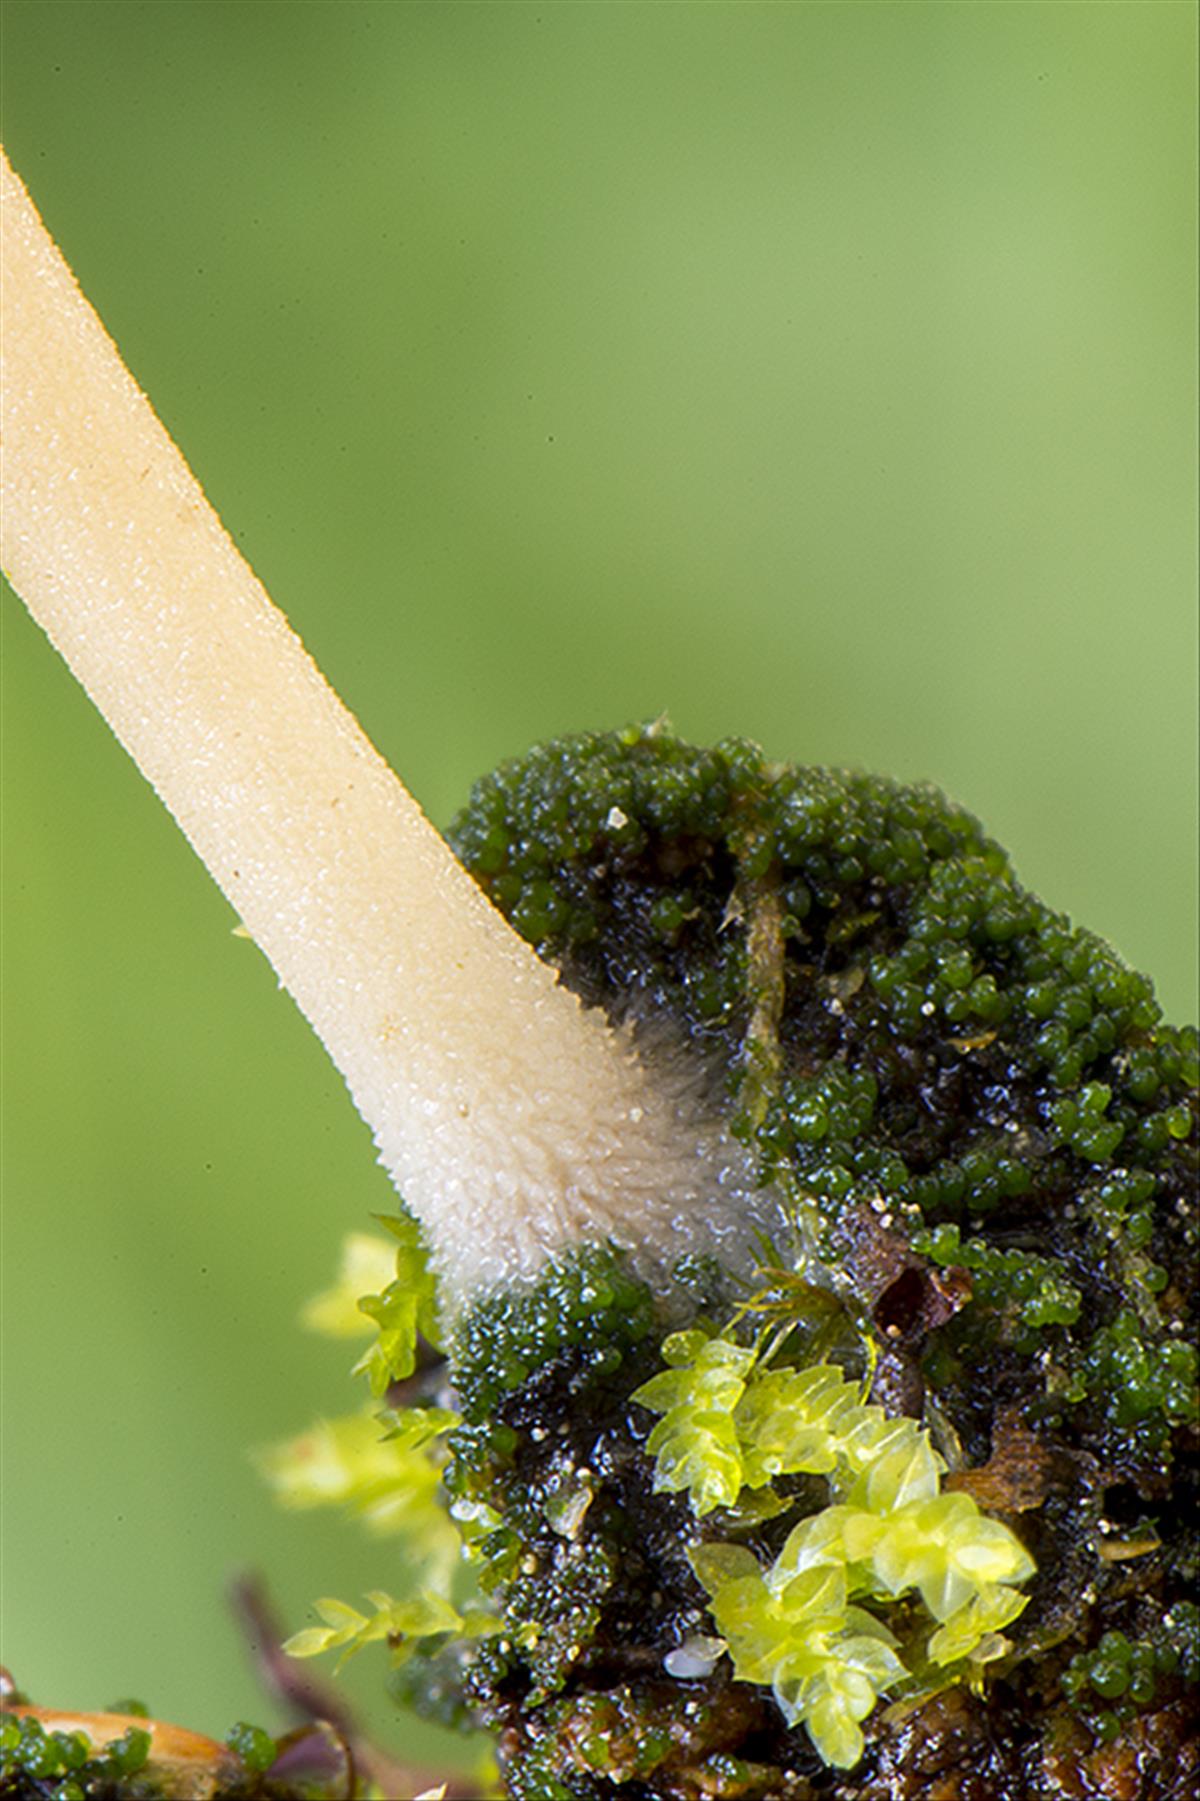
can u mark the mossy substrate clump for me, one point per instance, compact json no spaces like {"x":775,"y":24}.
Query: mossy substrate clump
{"x":987,"y":1137}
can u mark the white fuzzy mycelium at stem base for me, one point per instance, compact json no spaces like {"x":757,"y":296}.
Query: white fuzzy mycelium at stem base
{"x":515,"y":1123}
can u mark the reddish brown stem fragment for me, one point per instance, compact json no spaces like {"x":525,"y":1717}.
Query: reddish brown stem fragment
{"x":310,"y":1698}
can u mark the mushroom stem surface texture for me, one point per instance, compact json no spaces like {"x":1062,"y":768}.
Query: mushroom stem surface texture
{"x":514,"y":1122}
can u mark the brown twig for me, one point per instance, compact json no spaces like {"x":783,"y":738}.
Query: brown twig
{"x":309,"y":1698}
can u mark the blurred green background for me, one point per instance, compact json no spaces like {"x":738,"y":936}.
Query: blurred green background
{"x":819,"y":373}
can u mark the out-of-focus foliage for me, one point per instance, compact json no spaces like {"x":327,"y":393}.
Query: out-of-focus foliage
{"x":386,"y":1478}
{"x":368,"y":1265}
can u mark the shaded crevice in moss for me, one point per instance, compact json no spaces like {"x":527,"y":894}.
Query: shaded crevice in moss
{"x":757,"y":907}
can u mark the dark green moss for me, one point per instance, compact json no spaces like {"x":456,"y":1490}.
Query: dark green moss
{"x":975,"y":1100}
{"x":1025,"y":1293}
{"x":635,"y":1738}
{"x":950,"y":1046}
{"x":1130,"y":1674}
{"x":64,"y":1766}
{"x":554,"y":1612}
{"x":255,"y":1748}
{"x":1136,"y":1374}
{"x":587,"y":1308}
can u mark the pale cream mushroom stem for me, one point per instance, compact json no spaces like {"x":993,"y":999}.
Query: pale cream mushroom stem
{"x":514,"y":1122}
